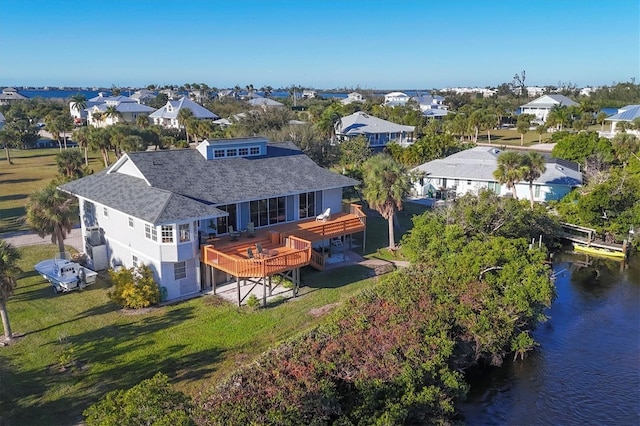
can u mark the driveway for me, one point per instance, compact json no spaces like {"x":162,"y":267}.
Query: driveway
{"x":28,"y":238}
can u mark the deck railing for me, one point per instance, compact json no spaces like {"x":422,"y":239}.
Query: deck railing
{"x":296,"y":253}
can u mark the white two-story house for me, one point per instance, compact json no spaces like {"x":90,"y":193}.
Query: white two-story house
{"x":167,"y":116}
{"x":158,"y":208}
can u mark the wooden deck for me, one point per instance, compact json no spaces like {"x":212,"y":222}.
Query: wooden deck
{"x":286,"y":246}
{"x":588,"y":237}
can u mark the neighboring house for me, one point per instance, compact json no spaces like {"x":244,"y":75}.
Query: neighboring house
{"x":171,"y":94}
{"x":309,"y":94}
{"x":265,"y":103}
{"x":143,"y":96}
{"x":351,"y":98}
{"x":160,"y":208}
{"x":9,"y":95}
{"x":167,"y":116}
{"x":625,"y":114}
{"x":472,"y":170}
{"x":541,"y":107}
{"x":378,"y":132}
{"x":485,"y":92}
{"x":2,"y":121}
{"x":128,"y":110}
{"x":396,"y":99}
{"x":432,"y":106}
{"x":587,"y":91}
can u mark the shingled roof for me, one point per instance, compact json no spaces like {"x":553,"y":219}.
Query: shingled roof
{"x":180,"y":184}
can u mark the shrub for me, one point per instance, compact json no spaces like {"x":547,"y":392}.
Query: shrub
{"x":134,"y":288}
{"x":151,"y":402}
{"x":253,"y":301}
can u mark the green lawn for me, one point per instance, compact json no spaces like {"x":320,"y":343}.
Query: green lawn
{"x":31,"y":169}
{"x":194,"y":342}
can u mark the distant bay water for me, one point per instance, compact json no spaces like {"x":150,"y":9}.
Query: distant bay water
{"x":61,"y":94}
{"x":66,"y":94}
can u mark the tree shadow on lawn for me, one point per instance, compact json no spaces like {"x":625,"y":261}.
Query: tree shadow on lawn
{"x":23,"y":180}
{"x":84,"y":388}
{"x":13,"y":197}
{"x":116,"y":356}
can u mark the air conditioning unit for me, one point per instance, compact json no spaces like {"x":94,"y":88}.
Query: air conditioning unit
{"x":94,"y":237}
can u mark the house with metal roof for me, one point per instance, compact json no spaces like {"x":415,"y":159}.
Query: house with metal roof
{"x":471,"y":171}
{"x":396,"y":99}
{"x":264,"y":103}
{"x":127,"y":112}
{"x":378,"y":132}
{"x":167,"y":116}
{"x":626,"y":114}
{"x":144,"y":95}
{"x":351,"y":98}
{"x":541,"y":106}
{"x":9,"y":95}
{"x":432,"y":106}
{"x":191,"y":215}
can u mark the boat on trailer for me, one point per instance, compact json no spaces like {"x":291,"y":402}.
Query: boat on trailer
{"x":598,"y":251}
{"x":64,"y":274}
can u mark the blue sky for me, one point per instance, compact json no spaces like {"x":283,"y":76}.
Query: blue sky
{"x":322,"y":44}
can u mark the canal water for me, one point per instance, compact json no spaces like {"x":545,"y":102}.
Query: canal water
{"x":586,"y":370}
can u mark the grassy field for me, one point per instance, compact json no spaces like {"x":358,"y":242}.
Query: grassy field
{"x":105,"y":348}
{"x":32,"y":169}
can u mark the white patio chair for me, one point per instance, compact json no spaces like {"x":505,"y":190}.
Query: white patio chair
{"x":324,"y":216}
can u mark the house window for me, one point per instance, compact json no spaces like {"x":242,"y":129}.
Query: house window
{"x":243,"y":151}
{"x":185,"y":234}
{"x":218,"y":153}
{"x":536,"y":191}
{"x":130,"y":222}
{"x":167,"y":233}
{"x":105,"y":212}
{"x":254,"y":150}
{"x":307,"y":205}
{"x":179,"y":270}
{"x":223,"y":223}
{"x":268,"y":211}
{"x":134,"y":260}
{"x":232,"y":152}
{"x":150,"y":232}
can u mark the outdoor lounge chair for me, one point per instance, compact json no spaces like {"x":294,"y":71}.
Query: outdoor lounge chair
{"x":251,"y":230}
{"x":250,"y":253}
{"x":234,"y":234}
{"x":259,"y":248}
{"x":324,"y":216}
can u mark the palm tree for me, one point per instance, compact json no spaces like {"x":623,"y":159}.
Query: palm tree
{"x":98,"y":139}
{"x":142,"y":121}
{"x":69,"y":164}
{"x":559,"y":115}
{"x":510,"y":170}
{"x":8,"y":138}
{"x":50,"y":212}
{"x":522,"y":125}
{"x":541,"y":129}
{"x":184,"y":115}
{"x":81,"y":136}
{"x":112,"y":113}
{"x":386,"y":184}
{"x":53,"y":126}
{"x":9,"y":270}
{"x":533,"y":165}
{"x":79,"y":102}
{"x":98,"y":117}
